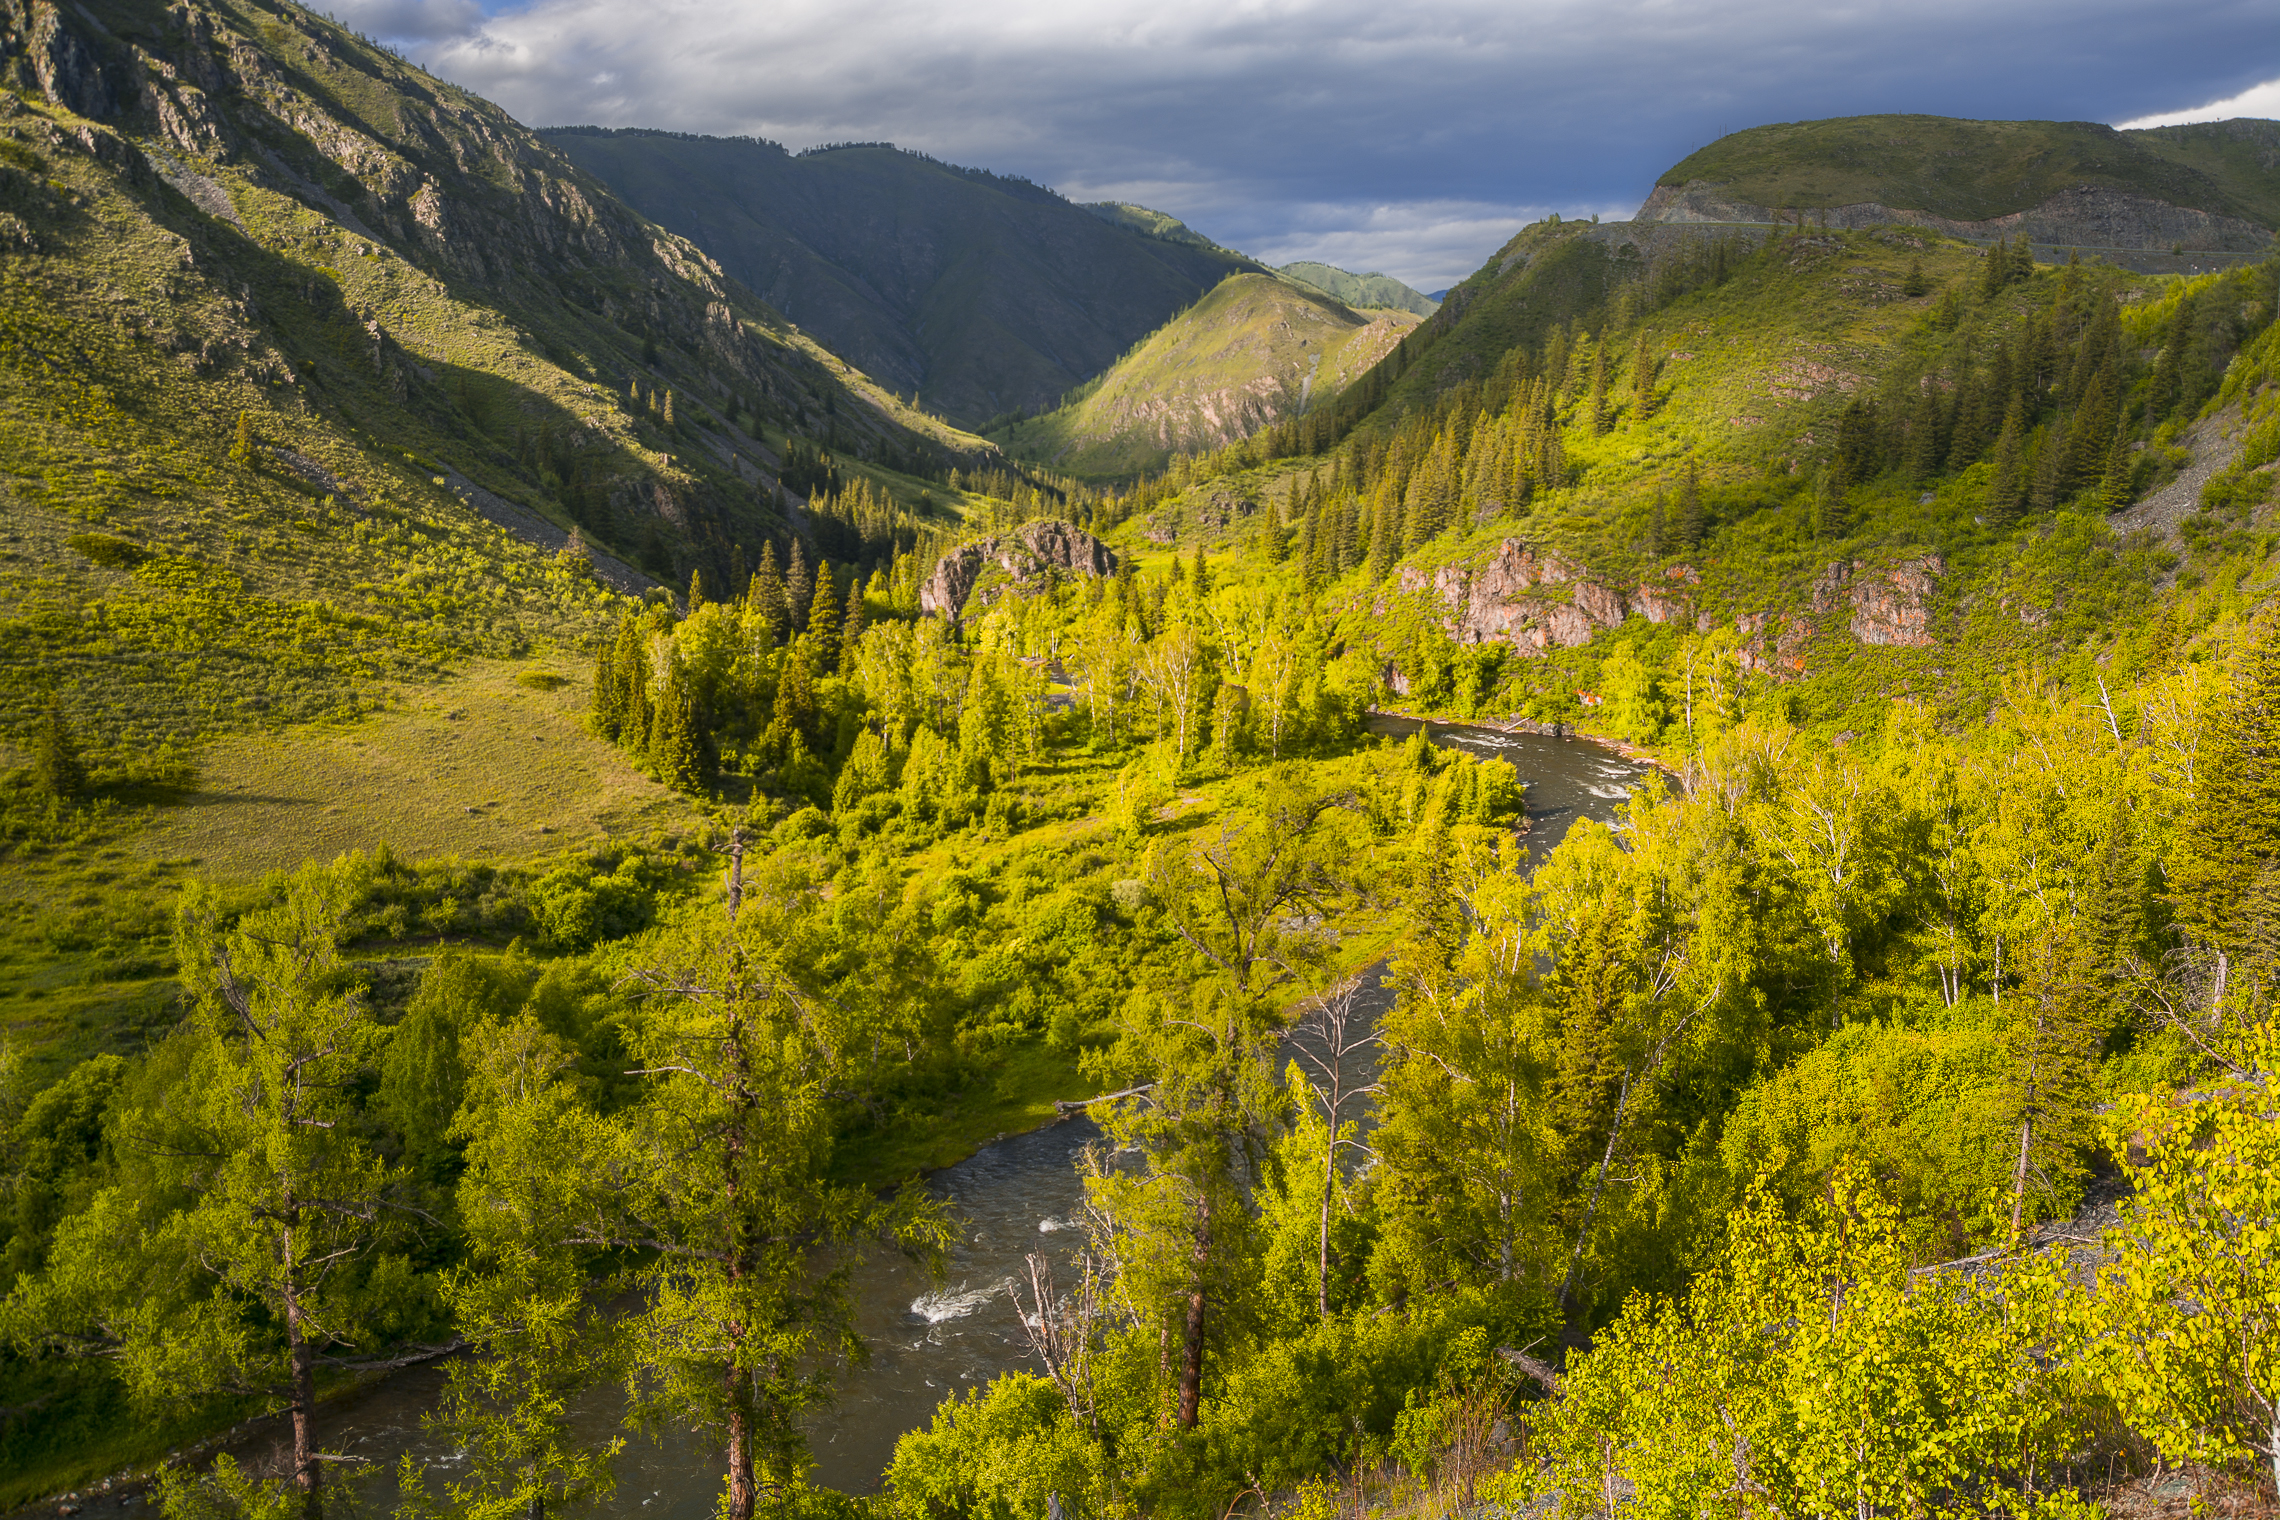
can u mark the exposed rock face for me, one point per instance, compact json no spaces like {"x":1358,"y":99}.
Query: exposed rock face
{"x":1889,"y":606}
{"x":2087,"y":215}
{"x":1035,"y":551}
{"x":1534,"y":602}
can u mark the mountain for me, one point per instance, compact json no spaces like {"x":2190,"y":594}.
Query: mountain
{"x":1360,"y":290}
{"x":1157,"y":224}
{"x":980,"y":295}
{"x":1257,"y":350}
{"x":314,"y":361}
{"x":2214,"y":186}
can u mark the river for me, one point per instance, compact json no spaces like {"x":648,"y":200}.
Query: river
{"x":927,"y":1340}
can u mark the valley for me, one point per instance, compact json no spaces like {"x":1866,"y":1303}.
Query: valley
{"x":607,"y":736}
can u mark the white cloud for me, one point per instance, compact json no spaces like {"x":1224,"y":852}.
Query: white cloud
{"x":2257,"y":100}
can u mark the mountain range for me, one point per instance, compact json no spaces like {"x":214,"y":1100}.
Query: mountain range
{"x":975,"y":294}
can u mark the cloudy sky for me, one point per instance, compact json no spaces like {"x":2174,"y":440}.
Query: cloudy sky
{"x":1408,"y":137}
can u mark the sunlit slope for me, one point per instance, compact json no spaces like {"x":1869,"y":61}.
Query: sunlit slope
{"x":981,"y":294}
{"x":224,"y":213}
{"x":2215,"y":186}
{"x":1257,"y":350}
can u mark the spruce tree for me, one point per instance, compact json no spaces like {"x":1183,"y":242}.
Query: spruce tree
{"x":2049,"y":469}
{"x":795,"y":692}
{"x":767,"y":596}
{"x":1688,"y":528}
{"x":858,"y":618}
{"x":1658,"y":530}
{"x":2006,"y":480}
{"x":2226,"y":864}
{"x":1915,"y":284}
{"x":56,"y":759}
{"x":2114,"y":494}
{"x":696,"y":589}
{"x":1600,"y":420}
{"x":1996,"y":272}
{"x":1202,"y":574}
{"x":823,"y":621}
{"x":799,"y":589}
{"x":241,"y":445}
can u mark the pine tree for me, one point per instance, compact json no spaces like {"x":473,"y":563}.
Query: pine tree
{"x":241,"y":446}
{"x":799,"y":589}
{"x":823,"y":620}
{"x":1600,"y":420}
{"x":858,"y":618}
{"x":1915,"y":284}
{"x":2114,"y":493}
{"x":668,"y":410}
{"x":2227,"y":861}
{"x":2006,"y":480}
{"x":1996,"y":273}
{"x":795,"y":692}
{"x":56,"y":759}
{"x":767,"y":596}
{"x":1828,"y":511}
{"x":1642,"y":379}
{"x":2049,"y":470}
{"x":1688,"y":528}
{"x":1202,"y":574}
{"x":696,"y":589}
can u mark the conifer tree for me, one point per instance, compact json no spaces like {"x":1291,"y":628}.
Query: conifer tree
{"x":767,"y":596}
{"x":676,"y":746}
{"x":2006,"y":479}
{"x":1995,"y":273}
{"x":2048,"y":449}
{"x":56,"y":761}
{"x":696,"y":589}
{"x":795,"y":692}
{"x":1688,"y":528}
{"x":1642,"y":379}
{"x":823,"y":621}
{"x":1600,"y":420}
{"x":1658,"y":530}
{"x":241,"y":444}
{"x":799,"y":589}
{"x":2225,"y":877}
{"x":1828,"y":511}
{"x":859,"y":618}
{"x":1915,"y":284}
{"x":1202,"y":574}
{"x":2114,"y":494}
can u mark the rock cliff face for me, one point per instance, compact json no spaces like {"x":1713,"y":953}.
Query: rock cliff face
{"x":1535,"y":602}
{"x":2091,"y":216}
{"x":1034,"y":552}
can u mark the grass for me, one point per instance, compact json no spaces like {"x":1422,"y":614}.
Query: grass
{"x":489,"y":765}
{"x":1969,"y":170}
{"x":1257,"y":349}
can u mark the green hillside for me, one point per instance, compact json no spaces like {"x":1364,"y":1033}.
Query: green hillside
{"x":1362,"y":291}
{"x":1843,"y":1083}
{"x":1255,"y":351}
{"x":1974,"y":170}
{"x":1156,"y":224}
{"x":978,"y":294}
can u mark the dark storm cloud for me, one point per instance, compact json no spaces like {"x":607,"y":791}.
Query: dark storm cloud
{"x":1412,"y":139}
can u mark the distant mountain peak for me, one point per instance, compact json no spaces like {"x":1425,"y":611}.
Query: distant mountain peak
{"x":1360,"y":290}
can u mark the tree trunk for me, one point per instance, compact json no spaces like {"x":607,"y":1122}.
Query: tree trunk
{"x":742,"y":1501}
{"x":1329,"y":1185}
{"x":1191,"y":1349}
{"x":2019,"y":1178}
{"x":306,"y":1473}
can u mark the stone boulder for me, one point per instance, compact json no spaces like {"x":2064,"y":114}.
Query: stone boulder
{"x":1031,"y":555}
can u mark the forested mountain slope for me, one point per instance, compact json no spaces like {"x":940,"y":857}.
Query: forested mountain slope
{"x":1359,"y":290}
{"x":977,"y":294}
{"x":1745,"y":1154}
{"x":278,"y":303}
{"x":1257,"y":350}
{"x":2212,"y":186}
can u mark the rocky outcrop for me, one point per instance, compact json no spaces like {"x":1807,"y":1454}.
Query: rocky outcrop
{"x":1536,"y":602}
{"x":1885,"y":606}
{"x":1033,"y":553}
{"x":2090,"y":216}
